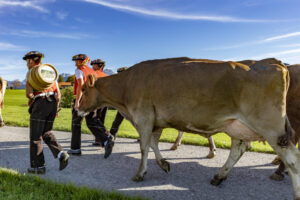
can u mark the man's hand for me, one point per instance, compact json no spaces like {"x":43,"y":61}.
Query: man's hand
{"x":76,"y":106}
{"x":30,"y":101}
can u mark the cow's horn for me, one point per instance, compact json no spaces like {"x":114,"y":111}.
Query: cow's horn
{"x":90,"y":80}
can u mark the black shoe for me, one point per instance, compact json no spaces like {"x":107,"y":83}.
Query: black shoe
{"x":108,"y":147}
{"x":63,"y":160}
{"x":37,"y":170}
{"x":76,"y":152}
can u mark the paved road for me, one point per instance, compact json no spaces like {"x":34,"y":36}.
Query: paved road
{"x":189,"y":177}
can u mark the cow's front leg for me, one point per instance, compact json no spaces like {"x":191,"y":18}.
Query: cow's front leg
{"x":238,"y":147}
{"x":164,"y":165}
{"x":177,"y":141}
{"x":145,"y":139}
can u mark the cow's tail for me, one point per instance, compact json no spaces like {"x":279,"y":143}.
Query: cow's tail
{"x":289,"y":135}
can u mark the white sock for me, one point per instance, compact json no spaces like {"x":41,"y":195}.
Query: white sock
{"x":59,"y":154}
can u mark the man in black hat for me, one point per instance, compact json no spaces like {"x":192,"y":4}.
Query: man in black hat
{"x":43,"y":109}
{"x":93,"y":123}
{"x":98,"y":66}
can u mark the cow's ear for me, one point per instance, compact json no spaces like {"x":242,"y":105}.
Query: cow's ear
{"x":90,"y":80}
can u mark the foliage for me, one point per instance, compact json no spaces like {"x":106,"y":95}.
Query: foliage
{"x":60,"y":79}
{"x":66,"y":97}
{"x":16,"y":83}
{"x":15,"y":113}
{"x":17,"y":186}
{"x":71,"y":79}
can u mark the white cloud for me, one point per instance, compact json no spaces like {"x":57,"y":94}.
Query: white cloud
{"x":4,"y":46}
{"x":33,"y":4}
{"x":281,"y":53}
{"x":279,"y":37}
{"x":290,"y":45}
{"x":61,"y":15}
{"x":170,"y":15}
{"x":12,"y":68}
{"x":267,"y":40}
{"x":29,"y":33}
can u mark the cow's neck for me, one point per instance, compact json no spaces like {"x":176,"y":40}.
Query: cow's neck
{"x":112,"y":90}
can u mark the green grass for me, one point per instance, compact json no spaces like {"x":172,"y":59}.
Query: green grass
{"x":15,"y":113}
{"x":15,"y":186}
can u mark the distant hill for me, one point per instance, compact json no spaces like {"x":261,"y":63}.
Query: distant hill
{"x":65,"y":76}
{"x":108,"y":71}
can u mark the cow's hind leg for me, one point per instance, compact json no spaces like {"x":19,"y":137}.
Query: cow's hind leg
{"x":154,"y":145}
{"x":212,"y":148}
{"x":1,"y":119}
{"x":290,"y":156}
{"x":278,"y":174}
{"x":238,"y":147}
{"x":177,"y":141}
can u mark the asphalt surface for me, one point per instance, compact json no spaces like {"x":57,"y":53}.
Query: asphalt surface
{"x":189,"y":177}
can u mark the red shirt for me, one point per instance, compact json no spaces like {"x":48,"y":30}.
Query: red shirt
{"x":53,"y":88}
{"x":86,"y":71}
{"x":99,"y":74}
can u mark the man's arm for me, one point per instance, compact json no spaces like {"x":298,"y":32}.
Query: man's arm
{"x":29,"y":93}
{"x":78,"y":92}
{"x":58,"y":96}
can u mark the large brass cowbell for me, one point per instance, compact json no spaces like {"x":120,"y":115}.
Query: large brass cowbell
{"x":42,"y":76}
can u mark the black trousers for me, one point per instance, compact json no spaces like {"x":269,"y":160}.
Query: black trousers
{"x":93,"y":123}
{"x":116,"y":124}
{"x":42,"y":115}
{"x":101,"y":113}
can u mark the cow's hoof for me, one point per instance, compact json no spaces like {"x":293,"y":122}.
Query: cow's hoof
{"x":216,"y":180}
{"x":277,"y":177}
{"x":165,"y":165}
{"x":174,"y":147}
{"x":138,"y":178}
{"x":276,"y":161}
{"x":211,"y":154}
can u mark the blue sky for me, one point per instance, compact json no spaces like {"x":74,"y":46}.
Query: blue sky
{"x":125,"y":32}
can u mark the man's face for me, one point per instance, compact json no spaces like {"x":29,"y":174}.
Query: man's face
{"x":30,"y":63}
{"x":95,"y":66}
{"x":79,"y":63}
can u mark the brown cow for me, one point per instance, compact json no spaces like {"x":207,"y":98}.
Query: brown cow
{"x":201,"y":97}
{"x":293,"y":112}
{"x":3,"y":84}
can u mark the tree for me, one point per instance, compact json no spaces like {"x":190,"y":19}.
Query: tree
{"x":71,"y":79}
{"x":16,"y":83}
{"x":60,"y":79}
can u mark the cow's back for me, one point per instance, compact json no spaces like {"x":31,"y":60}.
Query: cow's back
{"x":204,"y":93}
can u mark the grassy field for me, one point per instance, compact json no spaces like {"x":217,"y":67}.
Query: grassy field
{"x":14,"y":186}
{"x":15,"y":113}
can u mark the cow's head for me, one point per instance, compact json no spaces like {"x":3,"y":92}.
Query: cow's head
{"x":90,"y":96}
